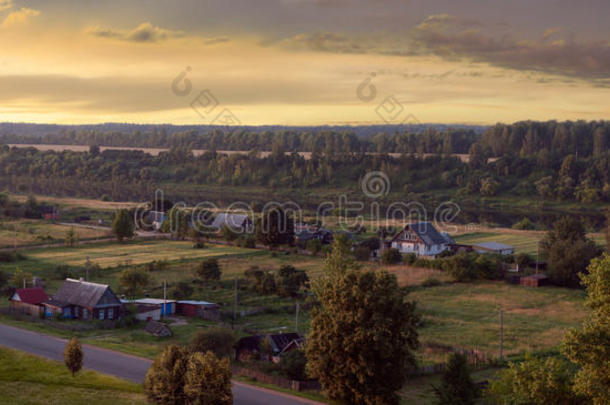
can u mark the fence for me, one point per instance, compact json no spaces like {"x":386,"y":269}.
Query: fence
{"x":311,"y":385}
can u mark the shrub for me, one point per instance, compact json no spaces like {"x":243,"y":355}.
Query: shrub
{"x":362,"y":253}
{"x":209,"y":270}
{"x":246,"y":242}
{"x":314,"y":246}
{"x":199,"y":245}
{"x":73,"y":356}
{"x":410,"y":258}
{"x":164,"y":382}
{"x":391,"y":256}
{"x":292,"y":365}
{"x":431,"y":282}
{"x":525,"y":224}
{"x":208,"y":380}
{"x":220,"y":341}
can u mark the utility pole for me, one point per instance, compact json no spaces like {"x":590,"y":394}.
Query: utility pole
{"x":296,"y":322}
{"x":87,"y":267}
{"x":537,"y":255}
{"x":164,"y":298}
{"x":501,"y":333}
{"x":235,"y":303}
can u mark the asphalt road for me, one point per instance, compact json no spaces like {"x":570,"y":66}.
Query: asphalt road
{"x":126,"y":366}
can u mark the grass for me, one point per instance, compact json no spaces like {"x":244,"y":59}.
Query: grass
{"x":28,"y":231}
{"x":523,"y":242}
{"x":27,"y":379}
{"x":467,"y":315}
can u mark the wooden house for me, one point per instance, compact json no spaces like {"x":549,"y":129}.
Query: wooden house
{"x":28,"y":301}
{"x":78,"y":299}
{"x":421,"y":238}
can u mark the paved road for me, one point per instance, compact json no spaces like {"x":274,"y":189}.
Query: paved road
{"x":126,"y":366}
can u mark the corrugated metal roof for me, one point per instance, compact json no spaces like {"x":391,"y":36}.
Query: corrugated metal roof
{"x":192,"y":302}
{"x":231,"y":220}
{"x":153,"y":301}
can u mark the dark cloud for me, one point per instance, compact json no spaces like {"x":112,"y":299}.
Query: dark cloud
{"x":447,"y":36}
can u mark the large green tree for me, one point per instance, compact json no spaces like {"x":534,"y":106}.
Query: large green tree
{"x":568,"y":251}
{"x":589,"y":347}
{"x":362,"y":334}
{"x":275,"y":227}
{"x":207,"y":380}
{"x":209,"y":270}
{"x":122,"y":225}
{"x":164,"y":382}
{"x":134,"y":280}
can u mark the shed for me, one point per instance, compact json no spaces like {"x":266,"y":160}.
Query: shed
{"x":147,"y":312}
{"x":28,"y":300}
{"x":200,"y":309}
{"x":494,"y":247}
{"x":535,"y":280}
{"x":168,"y":307}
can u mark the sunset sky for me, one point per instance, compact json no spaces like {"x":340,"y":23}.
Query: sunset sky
{"x":304,"y":62}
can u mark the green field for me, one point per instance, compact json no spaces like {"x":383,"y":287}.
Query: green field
{"x":467,"y":315}
{"x":28,"y":232}
{"x":27,"y":379}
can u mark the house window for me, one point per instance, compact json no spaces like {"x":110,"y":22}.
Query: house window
{"x":85,"y":313}
{"x":100,"y":314}
{"x":110,"y":313}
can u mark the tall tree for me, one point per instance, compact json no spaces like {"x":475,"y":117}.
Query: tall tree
{"x":134,"y":280}
{"x":362,"y":335}
{"x":275,"y":227}
{"x":164,"y":382}
{"x":122,"y":225}
{"x":456,"y":386}
{"x":208,"y":380}
{"x":73,"y":356}
{"x":209,"y":270}
{"x":568,"y":251}
{"x":589,"y":346}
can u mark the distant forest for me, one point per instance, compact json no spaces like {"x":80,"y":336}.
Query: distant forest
{"x":550,"y":161}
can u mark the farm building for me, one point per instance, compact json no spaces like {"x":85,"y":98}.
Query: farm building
{"x":148,"y":312}
{"x":249,"y":346}
{"x":236,"y":222}
{"x":28,"y":301}
{"x":535,"y":280}
{"x":199,"y":309}
{"x":421,"y":238}
{"x":494,"y":247}
{"x":78,"y":299}
{"x":167,"y":307}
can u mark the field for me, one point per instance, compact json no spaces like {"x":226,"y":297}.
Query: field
{"x":27,"y":232}
{"x":523,"y":241}
{"x":467,"y":315}
{"x":27,"y":379}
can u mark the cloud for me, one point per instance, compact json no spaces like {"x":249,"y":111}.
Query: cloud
{"x":20,"y":16}
{"x":446,"y":36}
{"x":144,"y":33}
{"x":324,"y":42}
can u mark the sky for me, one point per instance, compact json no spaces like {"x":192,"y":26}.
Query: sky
{"x":303,"y":62}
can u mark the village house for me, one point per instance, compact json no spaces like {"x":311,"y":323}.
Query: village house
{"x":236,"y":222}
{"x":28,"y":301}
{"x":78,"y":299}
{"x":248,"y":347}
{"x":421,"y":238}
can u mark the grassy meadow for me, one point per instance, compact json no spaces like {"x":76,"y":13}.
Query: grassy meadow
{"x":28,"y":231}
{"x":27,"y":379}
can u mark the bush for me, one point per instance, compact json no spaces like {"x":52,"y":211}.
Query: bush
{"x":199,"y":245}
{"x":220,"y":341}
{"x":523,"y":260}
{"x":183,"y":290}
{"x":362,"y":253}
{"x":63,"y":271}
{"x":391,"y":256}
{"x":525,"y":224}
{"x":410,"y":258}
{"x":246,"y":242}
{"x":292,"y":365}
{"x":209,"y":270}
{"x":313,"y":246}
{"x":431,"y":282}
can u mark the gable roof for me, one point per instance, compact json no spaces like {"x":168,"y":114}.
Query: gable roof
{"x":280,"y":341}
{"x":81,"y":293}
{"x":231,"y":220}
{"x":426,"y":232}
{"x":32,"y":296}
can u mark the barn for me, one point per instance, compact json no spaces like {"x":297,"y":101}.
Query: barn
{"x":28,"y":301}
{"x":199,"y":309}
{"x":168,"y":307}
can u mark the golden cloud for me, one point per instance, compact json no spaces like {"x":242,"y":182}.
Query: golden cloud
{"x":20,"y":16}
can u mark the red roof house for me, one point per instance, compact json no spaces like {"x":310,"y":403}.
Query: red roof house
{"x":28,"y":300}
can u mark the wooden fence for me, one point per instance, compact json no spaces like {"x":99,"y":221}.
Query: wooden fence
{"x":294,"y":385}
